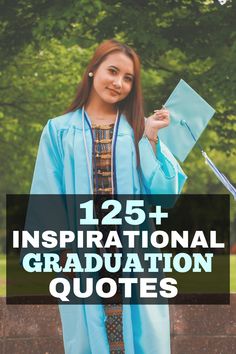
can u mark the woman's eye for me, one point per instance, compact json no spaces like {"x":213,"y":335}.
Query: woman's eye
{"x":128,"y":79}
{"x":112,"y":71}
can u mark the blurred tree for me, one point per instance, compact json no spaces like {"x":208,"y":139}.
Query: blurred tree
{"x":42,"y":85}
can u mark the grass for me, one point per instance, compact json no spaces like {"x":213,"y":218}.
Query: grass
{"x":3,"y":274}
{"x":233,"y":274}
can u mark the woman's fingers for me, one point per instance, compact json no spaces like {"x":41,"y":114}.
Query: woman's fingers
{"x":161,"y":111}
{"x":161,"y":115}
{"x":158,"y":120}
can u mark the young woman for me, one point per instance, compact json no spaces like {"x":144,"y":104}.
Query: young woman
{"x":104,"y":145}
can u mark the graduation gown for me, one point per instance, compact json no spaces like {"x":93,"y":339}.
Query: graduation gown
{"x":61,"y":168}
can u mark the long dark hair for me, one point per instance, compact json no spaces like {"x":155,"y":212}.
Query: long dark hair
{"x":132,"y":105}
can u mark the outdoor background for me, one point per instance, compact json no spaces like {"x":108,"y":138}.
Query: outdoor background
{"x":45,"y":45}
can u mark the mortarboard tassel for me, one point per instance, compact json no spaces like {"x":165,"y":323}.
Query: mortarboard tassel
{"x":224,"y":180}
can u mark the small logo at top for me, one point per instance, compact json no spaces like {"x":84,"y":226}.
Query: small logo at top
{"x":222,"y":2}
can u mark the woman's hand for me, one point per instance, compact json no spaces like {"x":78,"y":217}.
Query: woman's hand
{"x":160,"y":119}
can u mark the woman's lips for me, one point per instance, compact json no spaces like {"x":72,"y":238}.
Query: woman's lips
{"x":114,"y":92}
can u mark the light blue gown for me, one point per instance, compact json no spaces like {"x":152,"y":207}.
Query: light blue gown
{"x":61,"y":168}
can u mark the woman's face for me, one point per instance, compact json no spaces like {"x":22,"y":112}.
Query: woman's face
{"x":113,"y":79}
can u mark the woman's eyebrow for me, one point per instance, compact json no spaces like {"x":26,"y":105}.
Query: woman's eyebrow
{"x":115,"y":67}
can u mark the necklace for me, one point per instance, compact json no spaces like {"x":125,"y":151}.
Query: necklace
{"x":89,"y":160}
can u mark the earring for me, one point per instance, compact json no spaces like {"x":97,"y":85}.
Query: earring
{"x":90,"y":74}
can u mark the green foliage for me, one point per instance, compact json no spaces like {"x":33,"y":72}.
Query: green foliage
{"x":42,"y":85}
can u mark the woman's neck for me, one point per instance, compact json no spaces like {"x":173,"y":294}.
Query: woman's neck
{"x":100,"y":113}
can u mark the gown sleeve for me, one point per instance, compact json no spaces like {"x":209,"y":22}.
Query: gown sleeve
{"x":47,"y":178}
{"x":46,"y":213}
{"x":161,"y":173}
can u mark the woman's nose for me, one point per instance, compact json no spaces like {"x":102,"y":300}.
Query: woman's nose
{"x":117,"y":82}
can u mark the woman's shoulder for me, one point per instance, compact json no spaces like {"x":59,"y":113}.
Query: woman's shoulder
{"x":124,"y":127}
{"x":67,"y":120}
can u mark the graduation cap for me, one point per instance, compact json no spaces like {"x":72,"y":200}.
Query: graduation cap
{"x":189,"y":116}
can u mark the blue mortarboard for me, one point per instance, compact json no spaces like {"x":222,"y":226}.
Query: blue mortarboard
{"x":189,"y":116}
{"x":185,"y":107}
